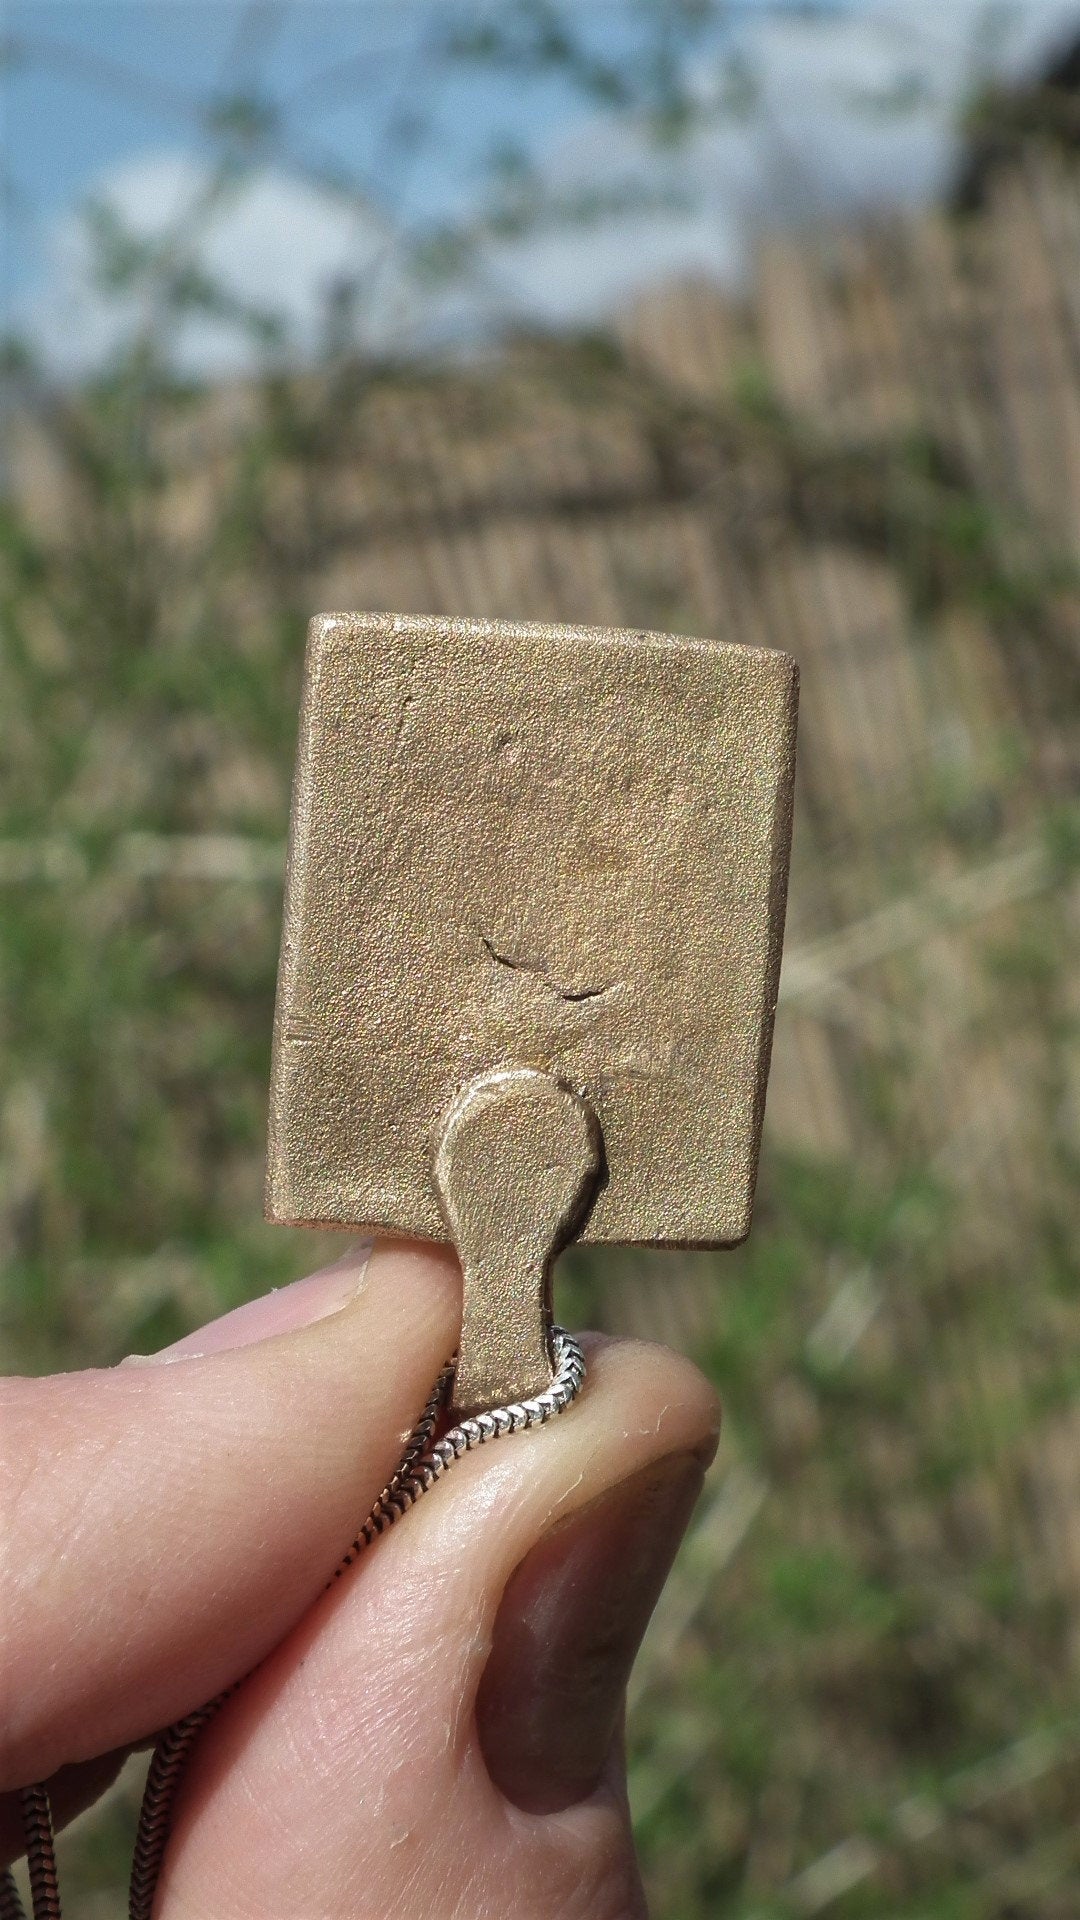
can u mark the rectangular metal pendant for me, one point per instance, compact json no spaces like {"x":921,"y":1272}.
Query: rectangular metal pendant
{"x":531,"y":847}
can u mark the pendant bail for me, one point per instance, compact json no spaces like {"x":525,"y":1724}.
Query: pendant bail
{"x":516,"y":1168}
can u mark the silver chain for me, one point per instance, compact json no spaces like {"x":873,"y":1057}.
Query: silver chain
{"x":423,"y":1462}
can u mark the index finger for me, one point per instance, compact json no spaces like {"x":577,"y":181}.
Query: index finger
{"x":165,"y":1524}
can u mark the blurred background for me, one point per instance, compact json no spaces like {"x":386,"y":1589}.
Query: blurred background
{"x":754,"y":320}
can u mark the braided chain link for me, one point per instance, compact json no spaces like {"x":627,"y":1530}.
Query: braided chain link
{"x":423,"y":1462}
{"x":11,"y":1906}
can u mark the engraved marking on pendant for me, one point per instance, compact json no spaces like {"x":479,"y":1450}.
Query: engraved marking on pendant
{"x":540,"y":972}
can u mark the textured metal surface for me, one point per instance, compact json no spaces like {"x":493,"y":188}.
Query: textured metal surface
{"x":525,"y":845}
{"x":515,"y":1169}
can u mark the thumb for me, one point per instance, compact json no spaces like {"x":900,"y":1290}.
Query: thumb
{"x":440,"y":1735}
{"x":166,"y":1523}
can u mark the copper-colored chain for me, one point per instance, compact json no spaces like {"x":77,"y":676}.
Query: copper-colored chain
{"x":40,"y":1861}
{"x":423,"y":1462}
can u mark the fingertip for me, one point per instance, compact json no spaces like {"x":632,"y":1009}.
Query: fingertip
{"x":644,"y":1385}
{"x":209,"y":1498}
{"x":413,"y":1275}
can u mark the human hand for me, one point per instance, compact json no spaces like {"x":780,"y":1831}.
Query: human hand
{"x":439,"y":1733}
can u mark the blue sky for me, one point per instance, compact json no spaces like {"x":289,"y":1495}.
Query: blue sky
{"x":106,"y":98}
{"x":101,"y":80}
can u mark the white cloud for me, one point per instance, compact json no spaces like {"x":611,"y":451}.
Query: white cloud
{"x":853,"y":112}
{"x":269,"y":240}
{"x":574,"y":276}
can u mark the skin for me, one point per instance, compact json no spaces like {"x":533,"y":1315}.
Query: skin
{"x":439,"y":1733}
